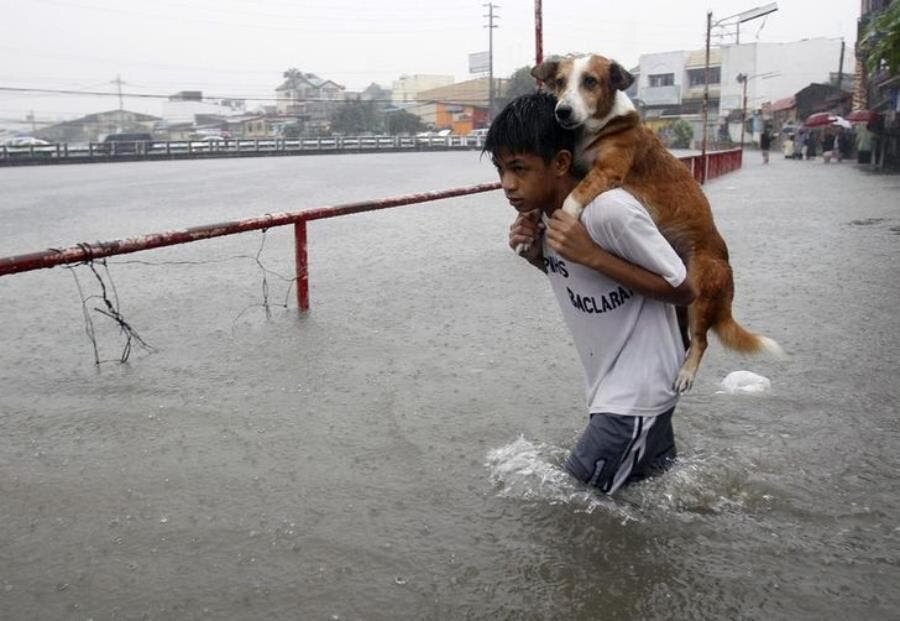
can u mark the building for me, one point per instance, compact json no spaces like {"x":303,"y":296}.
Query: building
{"x":876,"y":94}
{"x":461,"y":107}
{"x":672,"y":84}
{"x":406,"y":88}
{"x":659,"y":82}
{"x":310,"y":98}
{"x":184,"y":106}
{"x":95,"y":127}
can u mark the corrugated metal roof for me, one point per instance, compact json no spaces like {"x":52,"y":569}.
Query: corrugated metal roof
{"x":785,"y":103}
{"x":471,"y":92}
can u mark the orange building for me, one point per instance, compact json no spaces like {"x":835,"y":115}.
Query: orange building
{"x":460,"y":107}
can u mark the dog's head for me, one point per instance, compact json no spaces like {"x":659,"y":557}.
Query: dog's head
{"x":585,"y":87}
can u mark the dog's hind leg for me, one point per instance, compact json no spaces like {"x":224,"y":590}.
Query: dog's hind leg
{"x":698,"y":313}
{"x":712,"y":281}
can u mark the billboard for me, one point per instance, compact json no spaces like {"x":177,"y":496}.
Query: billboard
{"x":479,"y":62}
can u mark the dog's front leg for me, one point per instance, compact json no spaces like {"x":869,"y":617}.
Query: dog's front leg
{"x":599,"y":179}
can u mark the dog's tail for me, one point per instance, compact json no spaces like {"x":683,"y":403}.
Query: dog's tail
{"x":734,"y":336}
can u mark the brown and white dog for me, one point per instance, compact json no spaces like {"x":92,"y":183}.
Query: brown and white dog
{"x":617,"y":150}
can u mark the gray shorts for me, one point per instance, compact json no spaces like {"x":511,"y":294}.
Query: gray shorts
{"x":617,"y":450}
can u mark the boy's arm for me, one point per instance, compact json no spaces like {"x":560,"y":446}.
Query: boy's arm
{"x":567,"y":236}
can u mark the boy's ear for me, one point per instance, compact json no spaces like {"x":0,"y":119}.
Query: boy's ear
{"x":562,"y":163}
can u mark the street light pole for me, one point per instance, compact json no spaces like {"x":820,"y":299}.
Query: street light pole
{"x":739,"y":18}
{"x":742,"y":77}
{"x":705,"y":100}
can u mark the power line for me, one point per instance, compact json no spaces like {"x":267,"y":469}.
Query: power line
{"x":216,"y":98}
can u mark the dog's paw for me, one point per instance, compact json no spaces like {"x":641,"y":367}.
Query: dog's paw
{"x":684,"y":381}
{"x":572,"y":207}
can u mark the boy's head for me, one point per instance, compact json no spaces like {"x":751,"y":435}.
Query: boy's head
{"x":532,"y":153}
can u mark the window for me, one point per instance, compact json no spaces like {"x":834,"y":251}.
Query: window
{"x":696,"y":76}
{"x":662,"y":79}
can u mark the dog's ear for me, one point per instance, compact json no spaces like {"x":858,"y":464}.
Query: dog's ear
{"x":619,"y":78}
{"x":545,"y":70}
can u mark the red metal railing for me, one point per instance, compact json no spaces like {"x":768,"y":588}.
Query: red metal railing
{"x":88,"y":251}
{"x":717,"y":164}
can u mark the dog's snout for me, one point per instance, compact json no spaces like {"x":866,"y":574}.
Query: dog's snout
{"x":563,"y":112}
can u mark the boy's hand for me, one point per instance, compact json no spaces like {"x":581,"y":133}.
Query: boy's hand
{"x":568,"y":237}
{"x":526,"y":231}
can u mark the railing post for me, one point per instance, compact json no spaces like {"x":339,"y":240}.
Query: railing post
{"x":302,"y":265}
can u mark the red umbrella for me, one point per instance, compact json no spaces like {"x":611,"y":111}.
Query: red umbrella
{"x":819,"y":119}
{"x":862,"y":116}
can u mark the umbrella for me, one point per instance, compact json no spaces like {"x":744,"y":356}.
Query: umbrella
{"x":819,"y":119}
{"x":862,"y":116}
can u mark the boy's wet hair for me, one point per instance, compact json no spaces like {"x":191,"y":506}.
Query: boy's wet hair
{"x":527,"y":125}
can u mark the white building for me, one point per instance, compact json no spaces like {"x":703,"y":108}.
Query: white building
{"x":183,"y":107}
{"x":671,"y":84}
{"x":777,"y":70}
{"x":407,"y":87}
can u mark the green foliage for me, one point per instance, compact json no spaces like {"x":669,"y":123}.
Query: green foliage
{"x":356,"y":117}
{"x":682,"y":134}
{"x":402,"y":122}
{"x":520,"y":83}
{"x":881,"y":43}
{"x":292,"y":130}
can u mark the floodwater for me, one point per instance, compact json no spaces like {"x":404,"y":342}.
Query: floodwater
{"x":395,"y":453}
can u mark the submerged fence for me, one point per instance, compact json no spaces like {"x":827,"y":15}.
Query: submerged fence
{"x":715,"y":164}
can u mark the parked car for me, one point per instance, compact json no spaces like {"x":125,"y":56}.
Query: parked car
{"x":28,"y":146}
{"x":25,"y":141}
{"x":117,"y":144}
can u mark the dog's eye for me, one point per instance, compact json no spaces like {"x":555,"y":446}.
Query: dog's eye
{"x":589,"y":81}
{"x":560,"y":83}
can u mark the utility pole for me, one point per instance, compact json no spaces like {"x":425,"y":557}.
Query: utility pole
{"x":841,"y":65}
{"x":118,"y":82}
{"x":742,"y":78}
{"x":490,"y":26}
{"x":705,"y":100}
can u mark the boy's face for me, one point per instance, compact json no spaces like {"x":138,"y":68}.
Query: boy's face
{"x":528,"y":181}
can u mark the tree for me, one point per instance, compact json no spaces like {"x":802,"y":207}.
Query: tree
{"x":292,"y":130}
{"x":881,"y":43}
{"x":402,"y":122}
{"x":355,"y":117}
{"x":682,"y":134}
{"x":520,"y":83}
{"x":292,"y":73}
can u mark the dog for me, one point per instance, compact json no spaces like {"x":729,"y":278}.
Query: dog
{"x":617,"y":150}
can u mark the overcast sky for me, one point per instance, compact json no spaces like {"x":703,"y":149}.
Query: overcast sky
{"x":239,"y":48}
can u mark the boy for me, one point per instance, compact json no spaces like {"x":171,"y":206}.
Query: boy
{"x":615,"y":278}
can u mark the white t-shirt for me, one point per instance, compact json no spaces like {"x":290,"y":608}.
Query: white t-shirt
{"x":629,"y":344}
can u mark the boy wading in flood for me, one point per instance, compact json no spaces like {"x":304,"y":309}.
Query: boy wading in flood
{"x":616,"y":280}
